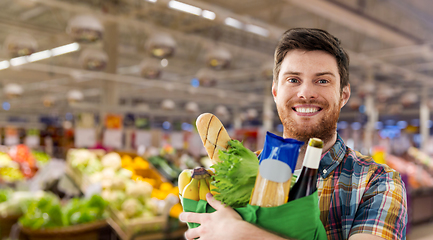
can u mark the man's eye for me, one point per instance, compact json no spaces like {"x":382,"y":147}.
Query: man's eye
{"x":292,"y":80}
{"x":323,"y":81}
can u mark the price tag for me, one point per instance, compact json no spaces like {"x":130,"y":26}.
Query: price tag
{"x":32,"y":141}
{"x":177,"y":140}
{"x":195,"y":146}
{"x":113,"y":138}
{"x":143,"y":138}
{"x":12,"y":140}
{"x":93,"y":189}
{"x":85,"y":137}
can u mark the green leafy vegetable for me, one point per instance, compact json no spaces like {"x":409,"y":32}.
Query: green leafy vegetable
{"x":5,"y":194}
{"x":47,"y":212}
{"x":43,"y":213}
{"x":235,"y":174}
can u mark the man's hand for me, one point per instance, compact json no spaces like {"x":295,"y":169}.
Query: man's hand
{"x":221,"y":224}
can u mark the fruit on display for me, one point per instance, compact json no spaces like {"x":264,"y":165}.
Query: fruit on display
{"x":41,"y":157}
{"x":9,"y":169}
{"x":130,"y":186}
{"x":22,"y":155}
{"x":198,"y":186}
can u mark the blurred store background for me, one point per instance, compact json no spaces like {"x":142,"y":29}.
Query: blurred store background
{"x":101,"y":96}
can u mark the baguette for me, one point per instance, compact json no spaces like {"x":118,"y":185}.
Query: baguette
{"x":213,"y":135}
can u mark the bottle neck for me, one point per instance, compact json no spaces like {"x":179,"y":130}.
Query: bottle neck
{"x":312,"y":157}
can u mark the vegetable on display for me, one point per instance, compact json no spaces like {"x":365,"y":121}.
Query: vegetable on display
{"x":48,"y":212}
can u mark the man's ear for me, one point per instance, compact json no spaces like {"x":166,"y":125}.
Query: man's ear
{"x":274,"y":90}
{"x":345,"y":95}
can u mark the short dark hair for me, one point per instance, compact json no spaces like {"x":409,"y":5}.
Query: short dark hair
{"x":311,"y":39}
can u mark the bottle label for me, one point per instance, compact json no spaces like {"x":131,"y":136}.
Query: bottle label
{"x":275,"y":170}
{"x":312,"y":157}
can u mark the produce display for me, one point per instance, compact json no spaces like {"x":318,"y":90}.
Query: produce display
{"x":169,"y":171}
{"x":48,"y":212}
{"x":418,"y":176}
{"x":421,"y":157}
{"x":14,"y":203}
{"x":42,"y":158}
{"x":131,"y":187}
{"x":9,"y":169}
{"x":19,"y":163}
{"x":22,"y":155}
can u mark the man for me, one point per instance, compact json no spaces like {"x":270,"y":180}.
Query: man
{"x":358,"y":199}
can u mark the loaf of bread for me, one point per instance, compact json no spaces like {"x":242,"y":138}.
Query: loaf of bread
{"x":213,"y":135}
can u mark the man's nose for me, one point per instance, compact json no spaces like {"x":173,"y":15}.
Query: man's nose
{"x":307,"y":91}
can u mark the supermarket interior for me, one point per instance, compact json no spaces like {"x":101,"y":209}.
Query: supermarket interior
{"x":99,"y":100}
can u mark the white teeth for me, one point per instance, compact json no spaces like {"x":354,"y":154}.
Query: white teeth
{"x":307,"y":110}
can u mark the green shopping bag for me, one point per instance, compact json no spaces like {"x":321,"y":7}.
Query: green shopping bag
{"x":298,"y":219}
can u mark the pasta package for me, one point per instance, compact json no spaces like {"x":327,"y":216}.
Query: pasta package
{"x":277,"y":163}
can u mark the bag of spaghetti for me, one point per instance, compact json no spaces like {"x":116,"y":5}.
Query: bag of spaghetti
{"x":257,"y":190}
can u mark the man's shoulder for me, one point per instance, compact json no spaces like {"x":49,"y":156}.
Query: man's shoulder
{"x":361,"y":162}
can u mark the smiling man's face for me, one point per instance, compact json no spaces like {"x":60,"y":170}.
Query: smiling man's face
{"x":308,"y":95}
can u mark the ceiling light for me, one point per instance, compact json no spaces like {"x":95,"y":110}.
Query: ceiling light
{"x":257,"y":30}
{"x":20,"y":44}
{"x":39,"y":56}
{"x":168,"y":104}
{"x":184,"y":7}
{"x":4,"y":64}
{"x":161,"y":45}
{"x":65,"y":49}
{"x":75,"y":96}
{"x":18,"y":61}
{"x":13,"y":90}
{"x":208,"y":14}
{"x":94,"y":59}
{"x":150,"y":69}
{"x":233,"y":23}
{"x":85,"y":28}
{"x":192,"y":107}
{"x":153,"y":1}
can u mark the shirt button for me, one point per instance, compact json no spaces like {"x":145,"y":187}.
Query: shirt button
{"x":324,"y":171}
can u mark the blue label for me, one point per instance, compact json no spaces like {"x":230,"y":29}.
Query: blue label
{"x":283,"y":149}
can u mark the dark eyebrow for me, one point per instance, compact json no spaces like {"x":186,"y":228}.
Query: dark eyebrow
{"x":325,"y":73}
{"x":291,"y":73}
{"x":317,"y":74}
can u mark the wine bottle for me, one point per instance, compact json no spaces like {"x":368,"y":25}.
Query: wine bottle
{"x":307,"y":180}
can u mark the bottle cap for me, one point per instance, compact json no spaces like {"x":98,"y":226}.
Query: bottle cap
{"x":315,"y":142}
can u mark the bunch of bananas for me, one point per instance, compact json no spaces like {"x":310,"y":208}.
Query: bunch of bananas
{"x":195,"y":183}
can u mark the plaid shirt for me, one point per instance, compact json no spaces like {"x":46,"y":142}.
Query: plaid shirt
{"x":357,"y":195}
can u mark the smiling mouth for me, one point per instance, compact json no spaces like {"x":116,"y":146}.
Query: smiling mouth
{"x":307,"y":109}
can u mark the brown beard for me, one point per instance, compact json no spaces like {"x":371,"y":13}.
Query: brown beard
{"x":324,"y":129}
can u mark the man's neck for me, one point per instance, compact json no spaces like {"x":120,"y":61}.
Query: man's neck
{"x":327,"y":145}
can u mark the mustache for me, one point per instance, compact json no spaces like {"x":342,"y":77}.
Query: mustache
{"x":321,"y":104}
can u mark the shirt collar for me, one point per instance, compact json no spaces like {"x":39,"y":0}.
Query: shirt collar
{"x":332,"y":158}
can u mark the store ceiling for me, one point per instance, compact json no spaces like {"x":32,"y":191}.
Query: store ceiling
{"x":390,"y":39}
